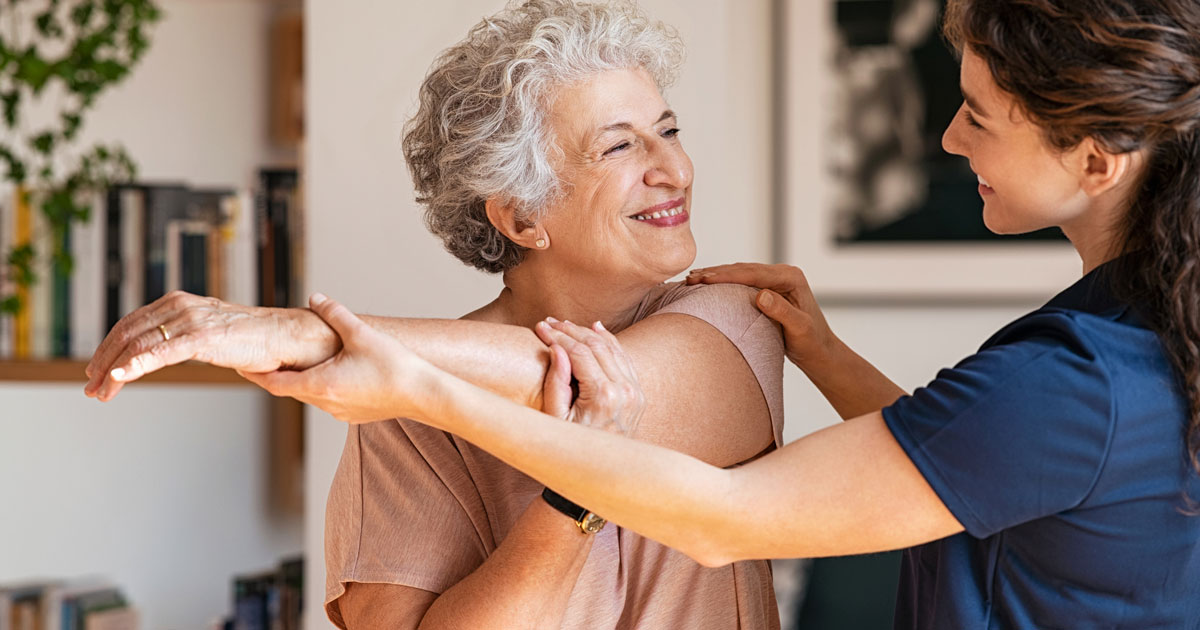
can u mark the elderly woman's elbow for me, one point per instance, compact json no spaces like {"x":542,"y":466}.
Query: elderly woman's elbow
{"x":708,"y":551}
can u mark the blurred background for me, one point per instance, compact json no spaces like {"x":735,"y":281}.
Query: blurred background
{"x":272,"y":128}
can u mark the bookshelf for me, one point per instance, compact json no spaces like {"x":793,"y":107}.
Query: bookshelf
{"x":71,"y":371}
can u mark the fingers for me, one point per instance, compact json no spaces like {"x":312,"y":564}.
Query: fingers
{"x":145,"y":354}
{"x":556,"y":392}
{"x":129,"y":328}
{"x":795,"y":322}
{"x":783,"y":279}
{"x":602,"y":347}
{"x":582,"y":360}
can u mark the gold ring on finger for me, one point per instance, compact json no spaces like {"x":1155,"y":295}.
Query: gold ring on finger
{"x":166,"y":335}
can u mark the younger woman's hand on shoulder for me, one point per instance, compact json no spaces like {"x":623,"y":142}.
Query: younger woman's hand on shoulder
{"x":610,"y":397}
{"x":784,"y":296}
{"x":373,"y":376}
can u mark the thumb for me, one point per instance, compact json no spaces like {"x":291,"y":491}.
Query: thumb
{"x":556,"y":393}
{"x":343,"y":322}
{"x":779,"y":309}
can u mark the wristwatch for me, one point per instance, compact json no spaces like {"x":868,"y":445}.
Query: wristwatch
{"x":587,"y":521}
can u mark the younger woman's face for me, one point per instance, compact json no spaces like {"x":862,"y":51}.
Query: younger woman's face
{"x":1025,"y":183}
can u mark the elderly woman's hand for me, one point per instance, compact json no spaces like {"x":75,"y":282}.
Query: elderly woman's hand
{"x":373,"y":376}
{"x":786,"y":298}
{"x":610,"y":397}
{"x":182,"y":327}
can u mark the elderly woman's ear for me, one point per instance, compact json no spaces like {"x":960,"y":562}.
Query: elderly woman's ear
{"x":503,"y":216}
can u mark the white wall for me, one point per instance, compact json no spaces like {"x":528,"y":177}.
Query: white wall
{"x":368,"y":248}
{"x":163,"y":489}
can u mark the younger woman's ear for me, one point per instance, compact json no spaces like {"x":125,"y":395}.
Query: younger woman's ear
{"x":1102,"y":171}
{"x":503,"y":216}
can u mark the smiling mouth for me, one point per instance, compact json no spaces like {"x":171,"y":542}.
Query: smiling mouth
{"x":662,"y":211}
{"x":660,"y":214}
{"x":983,"y":182}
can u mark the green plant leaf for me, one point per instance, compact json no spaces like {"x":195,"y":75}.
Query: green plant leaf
{"x":71,"y":122}
{"x":81,"y":15}
{"x":10,"y":101}
{"x":10,"y":305}
{"x":43,"y":142}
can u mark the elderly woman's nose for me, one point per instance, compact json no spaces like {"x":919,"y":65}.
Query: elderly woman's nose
{"x":669,"y":166}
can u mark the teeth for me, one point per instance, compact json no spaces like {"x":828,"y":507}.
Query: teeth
{"x":983,"y":181}
{"x":658,"y":215}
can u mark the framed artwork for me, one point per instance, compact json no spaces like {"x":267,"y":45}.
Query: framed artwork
{"x":873,"y":208}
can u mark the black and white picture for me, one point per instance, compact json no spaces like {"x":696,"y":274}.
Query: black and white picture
{"x":895,"y":90}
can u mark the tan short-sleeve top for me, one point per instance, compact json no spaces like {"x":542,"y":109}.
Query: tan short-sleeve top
{"x":415,"y":506}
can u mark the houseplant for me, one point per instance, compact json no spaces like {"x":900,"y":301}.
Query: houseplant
{"x":58,"y":56}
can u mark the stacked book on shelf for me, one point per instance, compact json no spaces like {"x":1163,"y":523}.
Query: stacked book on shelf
{"x":143,"y":241}
{"x":268,"y":601}
{"x":85,"y":605}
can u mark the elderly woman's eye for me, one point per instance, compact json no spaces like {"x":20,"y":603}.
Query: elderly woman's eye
{"x":671,"y":133}
{"x":619,"y":147}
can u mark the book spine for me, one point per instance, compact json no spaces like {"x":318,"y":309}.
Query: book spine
{"x":42,"y":292}
{"x":112,"y":258}
{"x":133,"y":211}
{"x":60,"y":307}
{"x":241,"y":250}
{"x":23,"y":322}
{"x":7,"y":226}
{"x":88,"y":281}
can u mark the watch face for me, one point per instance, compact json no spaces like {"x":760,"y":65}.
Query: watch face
{"x":591,"y":523}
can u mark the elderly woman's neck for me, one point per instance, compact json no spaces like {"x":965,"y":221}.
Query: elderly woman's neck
{"x":529,"y":297}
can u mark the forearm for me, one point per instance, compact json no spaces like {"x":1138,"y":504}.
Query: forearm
{"x":507,"y":360}
{"x":526,"y":583}
{"x":850,"y":383}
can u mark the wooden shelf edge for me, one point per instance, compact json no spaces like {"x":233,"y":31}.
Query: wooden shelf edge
{"x":71,"y":371}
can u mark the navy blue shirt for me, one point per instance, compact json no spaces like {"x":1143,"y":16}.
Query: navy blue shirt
{"x":1059,"y":447}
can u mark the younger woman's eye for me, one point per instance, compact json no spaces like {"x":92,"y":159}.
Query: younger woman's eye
{"x":619,"y":147}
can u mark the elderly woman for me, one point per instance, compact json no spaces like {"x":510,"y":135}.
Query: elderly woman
{"x":543,"y":150}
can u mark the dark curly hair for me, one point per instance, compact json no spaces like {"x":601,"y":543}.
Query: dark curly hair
{"x":1125,"y":73}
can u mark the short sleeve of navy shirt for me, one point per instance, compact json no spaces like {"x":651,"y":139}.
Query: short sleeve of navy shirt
{"x":1059,"y":447}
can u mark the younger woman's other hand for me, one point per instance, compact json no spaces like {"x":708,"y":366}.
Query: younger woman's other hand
{"x":785,"y":297}
{"x":610,"y":397}
{"x":373,"y":377}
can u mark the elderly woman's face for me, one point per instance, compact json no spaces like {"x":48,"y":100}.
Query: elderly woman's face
{"x":628,"y":181}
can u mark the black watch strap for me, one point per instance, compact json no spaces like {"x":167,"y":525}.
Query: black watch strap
{"x":564,"y":505}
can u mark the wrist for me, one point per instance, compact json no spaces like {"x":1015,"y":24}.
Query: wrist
{"x":307,"y":339}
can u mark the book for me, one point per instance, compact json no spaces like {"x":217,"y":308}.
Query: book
{"x":237,"y":235}
{"x":123,"y":243}
{"x":41,"y":294}
{"x":163,"y":203}
{"x":88,"y":280}
{"x":276,"y":207}
{"x":60,"y":294}
{"x":7,"y":287}
{"x":187,"y":256}
{"x":23,"y":234}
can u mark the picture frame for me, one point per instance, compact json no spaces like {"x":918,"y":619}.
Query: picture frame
{"x":944,"y":270}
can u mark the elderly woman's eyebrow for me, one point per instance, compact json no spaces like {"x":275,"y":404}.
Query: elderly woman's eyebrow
{"x":628,"y":126}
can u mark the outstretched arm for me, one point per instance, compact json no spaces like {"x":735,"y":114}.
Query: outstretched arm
{"x":703,"y":398}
